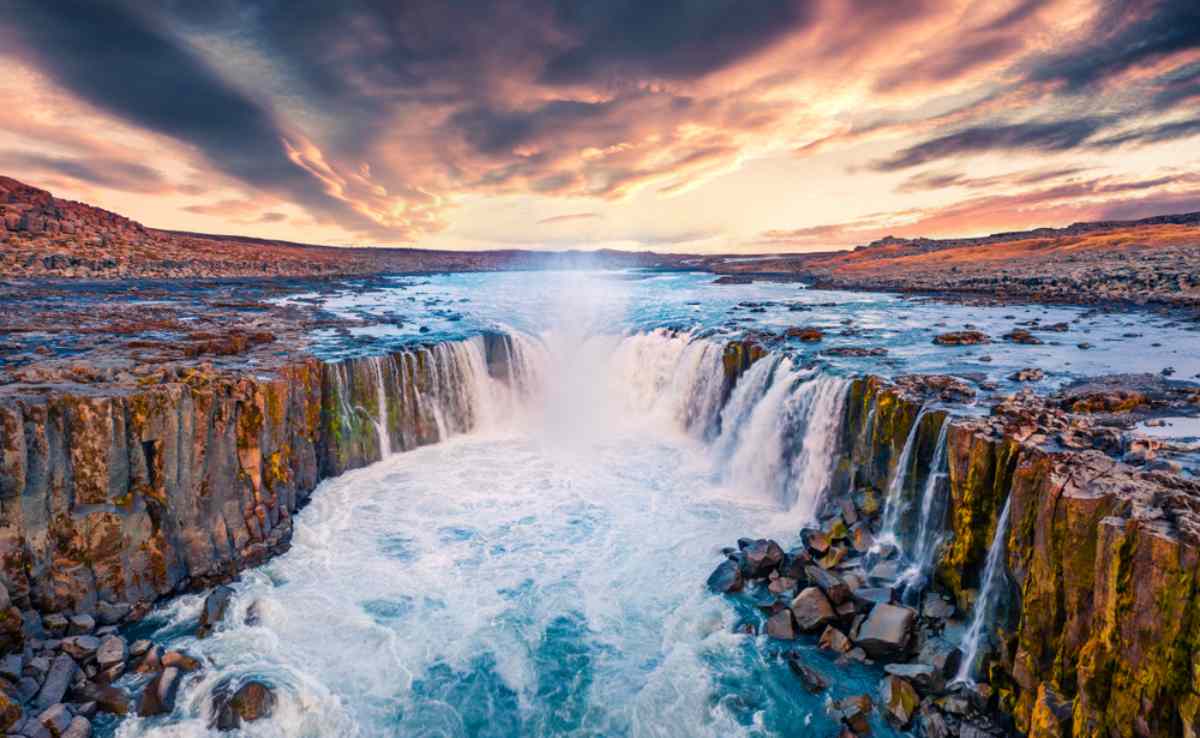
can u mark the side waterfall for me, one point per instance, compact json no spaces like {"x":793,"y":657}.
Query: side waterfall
{"x":395,"y":402}
{"x":933,"y":505}
{"x":894,"y":501}
{"x":993,"y":574}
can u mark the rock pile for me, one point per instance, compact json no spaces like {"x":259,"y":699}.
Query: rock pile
{"x":839,"y":591}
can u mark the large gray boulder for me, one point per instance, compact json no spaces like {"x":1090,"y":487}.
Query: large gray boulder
{"x":887,"y":631}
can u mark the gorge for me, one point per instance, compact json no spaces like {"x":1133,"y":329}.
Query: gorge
{"x":509,"y":531}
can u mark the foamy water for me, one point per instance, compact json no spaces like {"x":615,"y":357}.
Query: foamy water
{"x":542,"y":576}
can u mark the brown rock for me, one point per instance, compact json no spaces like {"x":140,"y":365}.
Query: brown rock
{"x":812,"y":610}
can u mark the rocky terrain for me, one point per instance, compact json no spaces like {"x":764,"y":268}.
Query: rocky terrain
{"x":1151,"y":261}
{"x":1093,"y":621}
{"x":45,"y":236}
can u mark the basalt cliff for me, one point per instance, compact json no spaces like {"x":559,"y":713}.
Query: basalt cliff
{"x":114,"y":497}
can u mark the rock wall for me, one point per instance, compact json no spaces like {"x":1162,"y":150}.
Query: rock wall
{"x":1101,"y":612}
{"x":111,"y":500}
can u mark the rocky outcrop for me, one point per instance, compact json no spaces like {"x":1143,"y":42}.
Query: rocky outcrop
{"x":1099,"y":617}
{"x":108,"y":500}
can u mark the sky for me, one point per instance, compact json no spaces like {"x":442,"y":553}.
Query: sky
{"x":723,"y":126}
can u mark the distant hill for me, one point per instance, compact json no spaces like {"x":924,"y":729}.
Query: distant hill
{"x":45,"y":236}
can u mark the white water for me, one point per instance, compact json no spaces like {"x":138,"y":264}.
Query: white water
{"x":894,"y":502}
{"x":932,"y":507}
{"x":378,"y":363}
{"x":542,"y":574}
{"x":993,"y":575}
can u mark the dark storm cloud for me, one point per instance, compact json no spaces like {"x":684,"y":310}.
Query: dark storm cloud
{"x":1127,"y":34}
{"x":119,"y":60}
{"x":675,"y":39}
{"x":1033,"y":136}
{"x":102,"y":172}
{"x":1152,"y":134}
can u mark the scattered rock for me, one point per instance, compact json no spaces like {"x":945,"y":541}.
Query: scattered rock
{"x":812,"y":610}
{"x":214,"y":610}
{"x":834,"y":640}
{"x":900,"y":700}
{"x":81,"y":647}
{"x":887,"y":631}
{"x":252,"y":701}
{"x":962,"y":338}
{"x":1032,"y":374}
{"x":1020,"y":335}
{"x":781,"y":626}
{"x":112,"y":651}
{"x":726,"y":578}
{"x":158,"y":697}
{"x":809,"y":677}
{"x":56,"y":718}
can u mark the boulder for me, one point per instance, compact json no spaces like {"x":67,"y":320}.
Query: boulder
{"x":108,"y":697}
{"x":855,"y":712}
{"x":1020,"y":335}
{"x":808,"y":676}
{"x":834,"y":640}
{"x":215,"y":606}
{"x":887,"y":631}
{"x":933,"y":723}
{"x":111,"y":613}
{"x":112,"y":651}
{"x":81,"y":625}
{"x":899,"y":699}
{"x":761,"y":557}
{"x":961,"y":338}
{"x":80,"y":727}
{"x":726,"y":578}
{"x":56,"y":718}
{"x":181,"y":661}
{"x":782,"y":626}
{"x":1028,"y":374}
{"x":62,"y":672}
{"x":833,"y":587}
{"x":81,"y":647}
{"x":924,"y":677}
{"x":252,"y":701}
{"x":158,"y":697}
{"x":812,"y":610}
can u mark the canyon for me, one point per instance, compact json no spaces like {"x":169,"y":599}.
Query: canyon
{"x":187,"y":465}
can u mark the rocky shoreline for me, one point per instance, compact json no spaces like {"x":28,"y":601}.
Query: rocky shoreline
{"x":115,"y":496}
{"x":1090,"y":629}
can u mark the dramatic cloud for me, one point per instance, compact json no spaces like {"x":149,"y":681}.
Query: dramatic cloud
{"x":1038,"y":136}
{"x":400,"y":122}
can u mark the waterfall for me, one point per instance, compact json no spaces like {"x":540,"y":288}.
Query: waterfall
{"x":779,"y":433}
{"x":673,"y":377}
{"x":775,"y":433}
{"x":993,"y":574}
{"x":427,"y":393}
{"x":931,"y":508}
{"x":381,"y":392}
{"x":894,"y":501}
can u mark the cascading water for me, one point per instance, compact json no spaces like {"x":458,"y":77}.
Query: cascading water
{"x":894,"y":502}
{"x":505,"y":583}
{"x":932,"y":509}
{"x":381,"y":364}
{"x":993,"y":576}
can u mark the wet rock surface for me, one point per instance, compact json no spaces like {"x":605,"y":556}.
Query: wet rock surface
{"x":1100,"y":563}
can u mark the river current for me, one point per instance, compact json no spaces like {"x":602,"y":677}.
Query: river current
{"x":544,"y":574}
